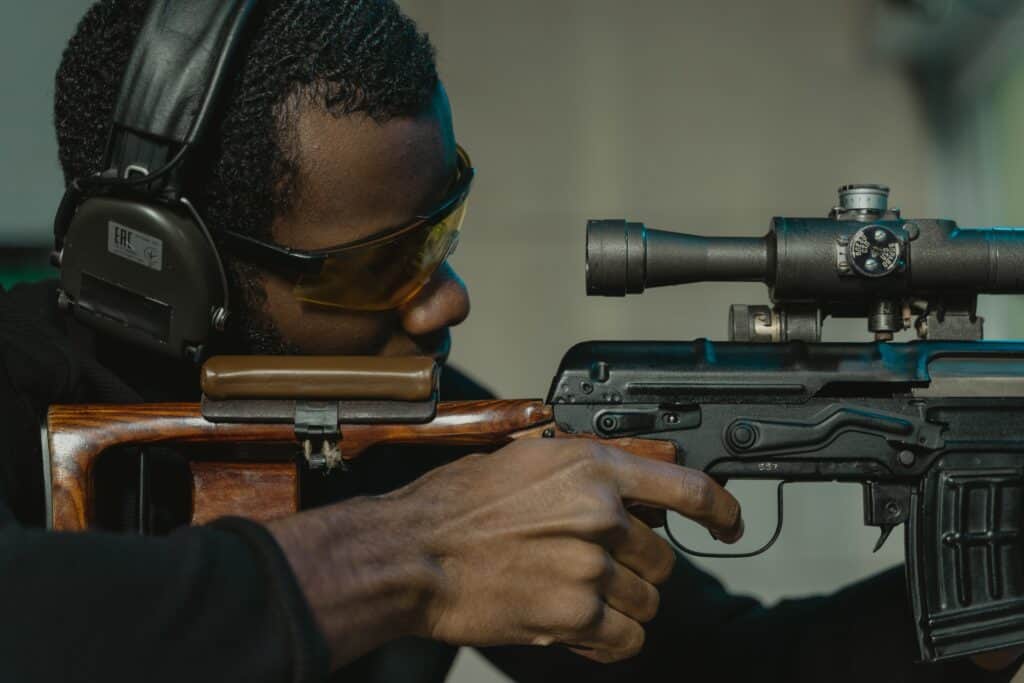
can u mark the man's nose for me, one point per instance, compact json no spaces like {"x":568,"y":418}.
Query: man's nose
{"x":441,"y":303}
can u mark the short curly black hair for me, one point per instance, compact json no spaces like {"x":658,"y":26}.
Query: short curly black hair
{"x":344,"y":56}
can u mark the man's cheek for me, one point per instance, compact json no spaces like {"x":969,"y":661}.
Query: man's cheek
{"x":330,"y":331}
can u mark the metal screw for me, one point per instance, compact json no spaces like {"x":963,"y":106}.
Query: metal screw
{"x":194,"y":353}
{"x":881,"y":235}
{"x":912,"y":230}
{"x":548,"y":433}
{"x":671,"y":418}
{"x":586,"y":387}
{"x":893,"y":509}
{"x":609,"y":423}
{"x":906,"y":458}
{"x":871,"y":265}
{"x":219,"y":318}
{"x":63,"y":301}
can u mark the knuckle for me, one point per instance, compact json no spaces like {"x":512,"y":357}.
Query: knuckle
{"x":734,"y":517}
{"x":585,"y":616}
{"x":593,"y":566}
{"x":698,"y":494}
{"x":619,"y":525}
{"x":605,"y":517}
{"x":634,"y":641}
{"x":609,"y":520}
{"x":588,"y":453}
{"x":663,"y":570}
{"x":649,"y":605}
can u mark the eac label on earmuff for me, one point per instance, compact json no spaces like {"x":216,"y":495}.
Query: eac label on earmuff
{"x":135,"y":246}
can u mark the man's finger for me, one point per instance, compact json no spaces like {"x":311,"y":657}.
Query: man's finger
{"x":628,"y":593}
{"x":643,"y":551}
{"x":615,"y":637}
{"x":692,"y":494}
{"x":652,"y":517}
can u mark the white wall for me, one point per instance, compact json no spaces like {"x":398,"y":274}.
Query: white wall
{"x":32,"y":36}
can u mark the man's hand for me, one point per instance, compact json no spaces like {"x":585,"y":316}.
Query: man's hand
{"x":531,"y":544}
{"x":535,"y":545}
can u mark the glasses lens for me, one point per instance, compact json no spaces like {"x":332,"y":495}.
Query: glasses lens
{"x":386,"y":274}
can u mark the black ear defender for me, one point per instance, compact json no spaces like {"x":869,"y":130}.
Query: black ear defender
{"x":136,"y":260}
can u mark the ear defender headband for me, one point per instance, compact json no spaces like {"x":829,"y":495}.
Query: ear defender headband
{"x":136,"y":260}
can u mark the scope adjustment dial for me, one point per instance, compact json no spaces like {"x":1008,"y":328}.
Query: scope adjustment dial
{"x":875,"y":251}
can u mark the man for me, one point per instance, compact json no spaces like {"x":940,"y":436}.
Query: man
{"x":338,"y":128}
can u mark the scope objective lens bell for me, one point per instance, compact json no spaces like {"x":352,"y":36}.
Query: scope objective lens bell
{"x":626,"y":258}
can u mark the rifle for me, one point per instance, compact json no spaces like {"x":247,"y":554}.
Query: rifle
{"x":931,"y":428}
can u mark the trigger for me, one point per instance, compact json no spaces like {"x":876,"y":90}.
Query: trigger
{"x":884,"y":536}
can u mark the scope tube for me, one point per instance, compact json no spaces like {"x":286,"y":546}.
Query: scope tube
{"x":982,"y":260}
{"x":625,"y":258}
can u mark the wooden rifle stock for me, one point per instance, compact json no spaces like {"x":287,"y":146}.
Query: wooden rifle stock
{"x":78,"y":435}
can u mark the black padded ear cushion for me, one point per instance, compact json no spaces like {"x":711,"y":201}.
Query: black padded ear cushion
{"x":144,"y":272}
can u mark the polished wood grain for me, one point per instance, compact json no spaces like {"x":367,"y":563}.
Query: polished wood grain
{"x":261,"y":491}
{"x":78,"y":435}
{"x":651,"y":449}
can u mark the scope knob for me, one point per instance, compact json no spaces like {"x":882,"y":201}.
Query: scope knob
{"x":875,"y":251}
{"x":864,"y":197}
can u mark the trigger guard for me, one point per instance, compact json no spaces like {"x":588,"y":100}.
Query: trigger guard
{"x":697,"y":553}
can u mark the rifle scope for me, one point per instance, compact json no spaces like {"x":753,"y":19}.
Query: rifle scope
{"x":863,"y":260}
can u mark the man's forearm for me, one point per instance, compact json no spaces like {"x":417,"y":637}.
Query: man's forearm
{"x":360,"y":570}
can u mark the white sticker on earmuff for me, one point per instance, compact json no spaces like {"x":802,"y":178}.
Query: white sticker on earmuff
{"x":135,"y":246}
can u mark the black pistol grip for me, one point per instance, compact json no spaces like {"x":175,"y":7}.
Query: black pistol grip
{"x":965,"y":560}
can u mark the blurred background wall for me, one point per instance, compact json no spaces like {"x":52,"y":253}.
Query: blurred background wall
{"x":690,"y":115}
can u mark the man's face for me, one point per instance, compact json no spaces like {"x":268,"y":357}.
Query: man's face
{"x":356,"y":178}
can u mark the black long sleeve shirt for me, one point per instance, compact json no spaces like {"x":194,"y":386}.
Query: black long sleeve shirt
{"x":220,"y":603}
{"x":214,"y":603}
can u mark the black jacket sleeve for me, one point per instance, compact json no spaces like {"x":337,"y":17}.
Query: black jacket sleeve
{"x":216,"y":603}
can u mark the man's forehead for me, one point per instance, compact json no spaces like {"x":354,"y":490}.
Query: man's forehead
{"x":356,"y":177}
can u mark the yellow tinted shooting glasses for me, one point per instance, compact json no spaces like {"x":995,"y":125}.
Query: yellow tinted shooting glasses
{"x":376,"y":273}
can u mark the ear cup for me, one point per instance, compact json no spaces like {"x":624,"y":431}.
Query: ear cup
{"x":143,"y":272}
